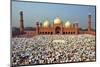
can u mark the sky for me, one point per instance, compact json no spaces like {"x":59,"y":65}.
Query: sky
{"x":33,"y":12}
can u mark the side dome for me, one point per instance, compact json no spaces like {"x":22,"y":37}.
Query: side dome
{"x":46,"y":23}
{"x":57,"y":20}
{"x":67,"y":24}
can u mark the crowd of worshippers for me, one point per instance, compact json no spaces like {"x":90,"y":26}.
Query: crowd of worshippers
{"x":42,"y":49}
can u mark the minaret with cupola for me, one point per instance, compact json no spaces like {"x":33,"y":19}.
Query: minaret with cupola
{"x":89,"y":23}
{"x":21,"y":23}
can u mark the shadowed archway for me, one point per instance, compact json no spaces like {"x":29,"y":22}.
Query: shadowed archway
{"x":57,"y":30}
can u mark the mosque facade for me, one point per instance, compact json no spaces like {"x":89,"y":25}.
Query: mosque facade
{"x":56,"y":27}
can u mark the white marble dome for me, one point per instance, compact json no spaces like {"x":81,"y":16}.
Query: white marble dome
{"x":67,"y":24}
{"x":57,"y":20}
{"x":46,"y":23}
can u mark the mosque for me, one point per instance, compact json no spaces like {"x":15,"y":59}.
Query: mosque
{"x":57,"y":27}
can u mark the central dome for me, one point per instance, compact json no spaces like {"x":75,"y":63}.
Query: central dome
{"x":57,"y":20}
{"x":67,"y":24}
{"x":46,"y":23}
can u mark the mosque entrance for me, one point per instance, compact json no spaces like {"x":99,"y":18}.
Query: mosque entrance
{"x":57,"y":30}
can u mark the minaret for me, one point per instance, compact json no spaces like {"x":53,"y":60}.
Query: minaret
{"x":37,"y":27}
{"x":76,"y":27}
{"x":41,"y":25}
{"x":21,"y":22}
{"x":89,"y":23}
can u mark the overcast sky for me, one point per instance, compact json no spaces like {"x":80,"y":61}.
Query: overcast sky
{"x":40,"y":11}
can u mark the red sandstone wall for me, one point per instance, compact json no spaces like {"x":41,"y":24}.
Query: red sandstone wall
{"x":68,"y":30}
{"x":86,"y":32}
{"x":30,"y":33}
